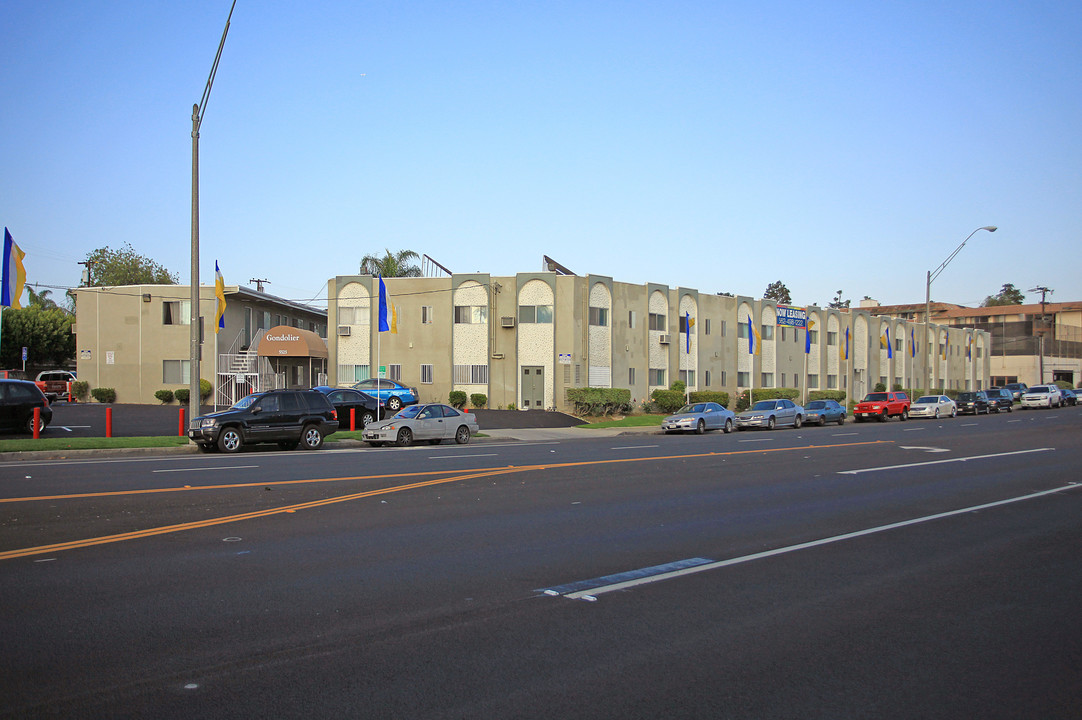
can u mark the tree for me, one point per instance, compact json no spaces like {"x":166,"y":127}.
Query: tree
{"x":777,"y":292}
{"x":391,"y":265}
{"x":126,"y":267}
{"x":1009,"y":295}
{"x":837,"y":302}
{"x":44,"y":332}
{"x":40,"y":299}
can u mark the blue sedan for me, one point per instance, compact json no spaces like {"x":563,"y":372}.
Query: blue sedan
{"x":394,"y":395}
{"x":823,"y":411}
{"x":698,"y":418}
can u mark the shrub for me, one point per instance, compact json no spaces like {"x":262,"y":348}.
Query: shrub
{"x":457,"y":398}
{"x":511,"y":406}
{"x":183,"y":395}
{"x":668,"y":401}
{"x":164,"y":396}
{"x":599,"y":401}
{"x":478,"y":400}
{"x":721,"y":398}
{"x":838,"y":395}
{"x":205,"y":389}
{"x":766,"y":394}
{"x":679,"y":386}
{"x":81,"y":390}
{"x":104,"y":395}
{"x":1063,"y":385}
{"x":879,"y":387}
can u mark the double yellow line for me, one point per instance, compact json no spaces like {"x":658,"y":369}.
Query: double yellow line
{"x":470,"y":475}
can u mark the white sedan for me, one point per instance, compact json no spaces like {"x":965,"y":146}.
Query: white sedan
{"x":933,"y":406}
{"x":434,"y":423}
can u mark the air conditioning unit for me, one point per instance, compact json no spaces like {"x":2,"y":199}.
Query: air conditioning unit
{"x":664,"y":339}
{"x":507,"y":321}
{"x":344,"y":330}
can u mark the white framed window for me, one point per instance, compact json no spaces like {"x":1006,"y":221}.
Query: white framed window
{"x":631,"y":319}
{"x":177,"y":312}
{"x":706,"y":378}
{"x":657,"y":376}
{"x":394,"y":372}
{"x":471,"y":314}
{"x":353,"y":316}
{"x":832,"y":382}
{"x":599,"y":316}
{"x":688,"y":377}
{"x":631,"y":377}
{"x":657,"y":322}
{"x":426,"y":374}
{"x":535,"y":314}
{"x":349,"y":374}
{"x":743,"y":379}
{"x":176,"y":371}
{"x":471,"y":374}
{"x":813,"y":381}
{"x":767,"y":332}
{"x":426,"y":315}
{"x":706,"y":328}
{"x":767,"y":379}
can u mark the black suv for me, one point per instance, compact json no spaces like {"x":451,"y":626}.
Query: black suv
{"x":287,"y":417}
{"x":972,"y":402}
{"x":1000,"y":399}
{"x":18,"y":398}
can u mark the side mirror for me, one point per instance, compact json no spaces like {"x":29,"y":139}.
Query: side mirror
{"x":257,"y":409}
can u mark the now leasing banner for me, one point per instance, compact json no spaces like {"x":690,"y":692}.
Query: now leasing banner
{"x":792,"y":316}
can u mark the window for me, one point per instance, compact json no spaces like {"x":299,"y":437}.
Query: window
{"x":767,"y":379}
{"x":883,"y":380}
{"x":426,"y":374}
{"x":631,"y":377}
{"x":657,"y":322}
{"x":471,"y":374}
{"x":832,"y":338}
{"x":706,"y":326}
{"x":177,"y":312}
{"x":631,"y":319}
{"x":426,"y":315}
{"x":832,"y":382}
{"x":706,"y":378}
{"x":177,"y":371}
{"x":535,"y":314}
{"x":814,"y":336}
{"x":353,"y":373}
{"x":471,"y":314}
{"x":743,"y":379}
{"x":767,"y":332}
{"x":394,"y":372}
{"x":657,"y":377}
{"x":813,"y":381}
{"x":742,"y":331}
{"x":783,"y":334}
{"x":688,"y":377}
{"x":353,"y":316}
{"x":684,"y":323}
{"x":723,"y":377}
{"x":599,"y":316}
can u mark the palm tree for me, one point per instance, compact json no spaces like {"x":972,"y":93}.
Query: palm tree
{"x":391,"y":265}
{"x":40,"y":299}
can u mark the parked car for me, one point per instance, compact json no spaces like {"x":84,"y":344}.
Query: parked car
{"x":286,"y":417}
{"x":823,"y":411}
{"x":1070,"y":397}
{"x":771,"y":413}
{"x":1000,"y":399}
{"x":393,"y":394}
{"x":933,"y":406}
{"x":54,"y":383}
{"x":1016,"y":390}
{"x":18,"y":398}
{"x":975,"y":402}
{"x":882,"y":405}
{"x":433,"y":422}
{"x":700,"y":417}
{"x":366,"y":408}
{"x":1042,"y":396}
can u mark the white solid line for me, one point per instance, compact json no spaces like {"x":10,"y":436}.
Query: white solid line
{"x":758,"y":440}
{"x":912,"y":429}
{"x":969,"y":424}
{"x":844,"y":434}
{"x":593,"y":592}
{"x":222,"y":467}
{"x":633,"y":447}
{"x":939,"y":462}
{"x":444,"y":457}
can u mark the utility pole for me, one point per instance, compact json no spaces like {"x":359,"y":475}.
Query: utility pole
{"x":259,"y":283}
{"x":1043,"y":291}
{"x":86,"y":273}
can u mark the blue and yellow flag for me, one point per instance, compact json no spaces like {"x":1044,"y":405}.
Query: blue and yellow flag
{"x":14,"y":273}
{"x":388,"y":314}
{"x":219,"y":292}
{"x":754,"y":339}
{"x":912,"y":345}
{"x":807,"y":336}
{"x":884,"y":341}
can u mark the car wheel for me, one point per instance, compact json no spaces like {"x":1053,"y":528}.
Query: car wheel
{"x":841,"y":420}
{"x":30,"y":424}
{"x":366,"y":419}
{"x":728,"y":426}
{"x":797,"y":421}
{"x":312,"y":437}
{"x":405,"y":438}
{"x":883,"y":416}
{"x":700,"y":427}
{"x":1010,"y":408}
{"x":937,"y":413}
{"x":288,"y":445}
{"x":905,"y":415}
{"x":462,"y":435}
{"x":230,"y":440}
{"x":770,"y":423}
{"x":394,"y":403}
{"x":954,"y":412}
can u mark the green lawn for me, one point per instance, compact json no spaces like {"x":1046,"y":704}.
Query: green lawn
{"x":629,"y":421}
{"x":89,"y":443}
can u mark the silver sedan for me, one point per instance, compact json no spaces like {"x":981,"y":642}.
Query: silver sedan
{"x":769,"y":413}
{"x":434,"y":422}
{"x":698,"y":418}
{"x":933,"y":406}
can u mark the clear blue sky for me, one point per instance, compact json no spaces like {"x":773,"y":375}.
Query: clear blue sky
{"x":714,"y":145}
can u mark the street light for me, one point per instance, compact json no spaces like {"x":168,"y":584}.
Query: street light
{"x":932,"y":275}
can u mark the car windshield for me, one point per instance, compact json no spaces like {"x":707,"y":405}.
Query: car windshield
{"x":410,"y":411}
{"x":875,"y":397}
{"x":689,"y":409}
{"x":764,"y":405}
{"x":817,"y":405}
{"x":928,"y":400}
{"x":967,"y":396}
{"x":246,"y":402}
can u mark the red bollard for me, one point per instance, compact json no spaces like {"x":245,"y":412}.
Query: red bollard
{"x":180,"y":424}
{"x":37,"y":423}
{"x":352,"y":419}
{"x":70,"y":397}
{"x":108,"y":422}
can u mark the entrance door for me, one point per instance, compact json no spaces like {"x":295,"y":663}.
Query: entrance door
{"x":533,"y":388}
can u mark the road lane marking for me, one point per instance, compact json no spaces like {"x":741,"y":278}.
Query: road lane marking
{"x":925,"y":449}
{"x":940,"y":462}
{"x":590,"y":592}
{"x":844,"y":434}
{"x":757,"y":440}
{"x":913,"y":429}
{"x":633,"y":447}
{"x":203,"y":469}
{"x":456,"y":457}
{"x":583,"y":585}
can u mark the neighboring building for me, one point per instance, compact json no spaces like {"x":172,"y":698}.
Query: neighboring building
{"x":523,"y":340}
{"x":1031,"y":343}
{"x":136,"y":340}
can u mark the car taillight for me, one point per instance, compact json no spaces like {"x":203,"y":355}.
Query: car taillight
{"x":334,"y":414}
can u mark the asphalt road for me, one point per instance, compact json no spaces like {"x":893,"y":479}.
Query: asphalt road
{"x":897,"y":570}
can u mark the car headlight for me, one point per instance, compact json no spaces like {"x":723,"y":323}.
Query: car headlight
{"x":209,"y":422}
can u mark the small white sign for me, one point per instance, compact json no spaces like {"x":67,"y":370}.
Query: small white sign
{"x":109,"y":357}
{"x":84,"y":354}
{"x":565,"y":358}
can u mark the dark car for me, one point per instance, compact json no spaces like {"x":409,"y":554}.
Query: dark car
{"x":391,"y":393}
{"x":972,"y":402}
{"x":823,"y":411}
{"x":1016,"y":390}
{"x":18,"y":398}
{"x":286,"y":417}
{"x":1070,"y":397}
{"x":365,"y":408}
{"x":1000,"y":399}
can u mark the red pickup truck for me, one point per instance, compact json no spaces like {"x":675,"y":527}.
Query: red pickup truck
{"x":54,"y":383}
{"x":882,"y":405}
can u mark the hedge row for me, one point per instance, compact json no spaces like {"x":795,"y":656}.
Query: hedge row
{"x":599,"y":401}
